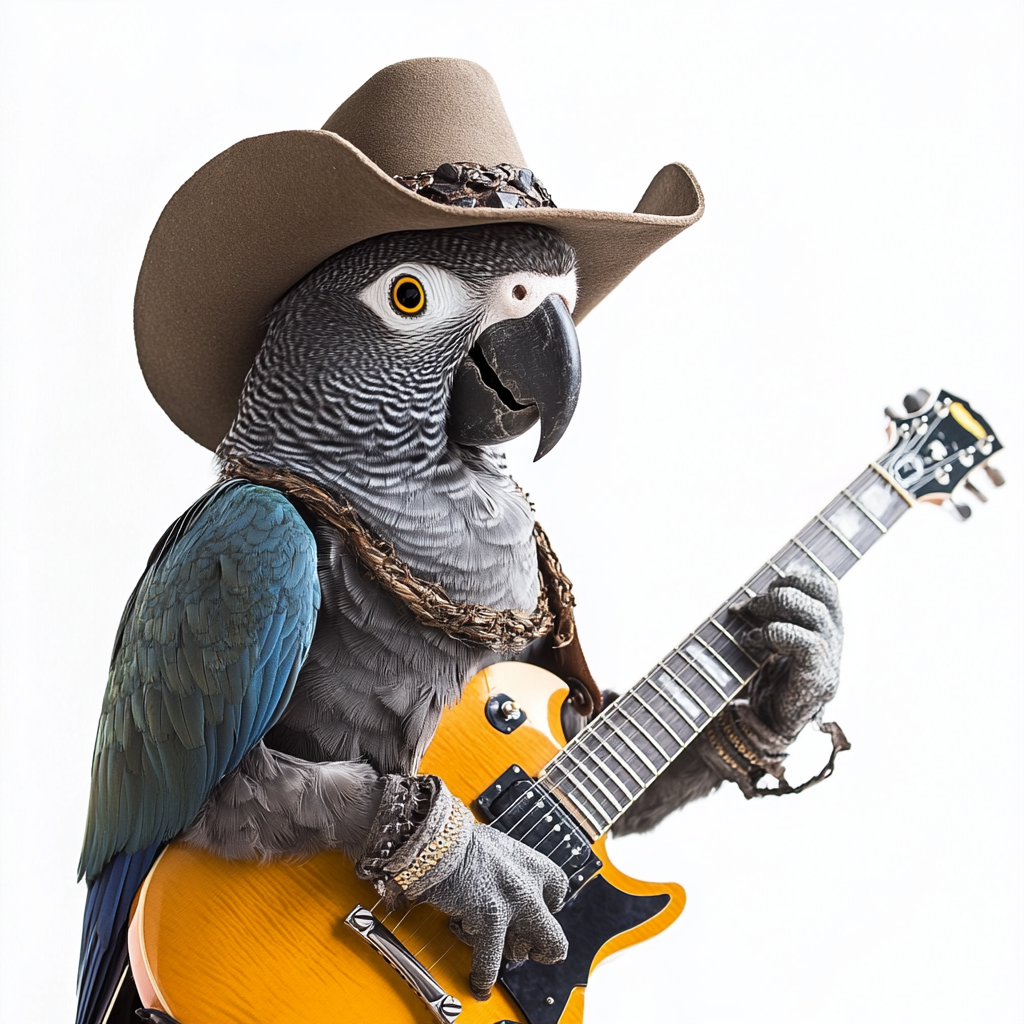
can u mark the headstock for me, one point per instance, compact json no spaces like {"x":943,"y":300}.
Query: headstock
{"x":936,"y":446}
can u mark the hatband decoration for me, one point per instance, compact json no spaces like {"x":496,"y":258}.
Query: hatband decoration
{"x":503,"y":187}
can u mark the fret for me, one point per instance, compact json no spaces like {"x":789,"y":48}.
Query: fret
{"x":694,"y":684}
{"x":698,"y":658}
{"x":817,"y":561}
{"x":618,"y":757}
{"x":687,"y":701}
{"x":891,"y":481}
{"x":652,"y":739}
{"x":597,"y":756}
{"x":643,"y":732}
{"x":660,"y":720}
{"x":835,"y":533}
{"x":728,"y":650}
{"x":825,"y":542}
{"x":595,"y":780}
{"x":682,"y":723}
{"x":759,"y":582}
{"x":705,"y":686}
{"x":609,"y":748}
{"x":616,"y":709}
{"x":579,"y":787}
{"x":863,"y":511}
{"x":728,"y":682}
{"x":725,"y":632}
{"x":545,"y":776}
{"x":877,"y":494}
{"x":853,"y":522}
{"x":661,"y":736}
{"x":796,"y":560}
{"x":727,"y":689}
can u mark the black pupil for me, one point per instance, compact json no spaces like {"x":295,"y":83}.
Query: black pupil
{"x":407,"y":295}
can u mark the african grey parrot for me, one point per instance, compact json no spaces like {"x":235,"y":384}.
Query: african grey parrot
{"x":266,"y":698}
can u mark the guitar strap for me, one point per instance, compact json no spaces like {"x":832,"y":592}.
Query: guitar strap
{"x":506,"y":631}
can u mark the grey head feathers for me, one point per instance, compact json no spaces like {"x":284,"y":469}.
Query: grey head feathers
{"x":355,"y":395}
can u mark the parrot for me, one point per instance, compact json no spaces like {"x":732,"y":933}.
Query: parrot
{"x":266,"y":699}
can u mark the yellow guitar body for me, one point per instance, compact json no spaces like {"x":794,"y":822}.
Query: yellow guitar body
{"x":217,"y":941}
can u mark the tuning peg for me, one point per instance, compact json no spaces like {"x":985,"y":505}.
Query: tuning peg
{"x":974,"y":490}
{"x":959,"y":509}
{"x":994,"y":475}
{"x":917,"y":401}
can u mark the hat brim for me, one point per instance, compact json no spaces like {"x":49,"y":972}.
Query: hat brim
{"x":260,"y":216}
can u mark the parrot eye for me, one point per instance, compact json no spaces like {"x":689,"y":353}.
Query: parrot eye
{"x":408,"y":296}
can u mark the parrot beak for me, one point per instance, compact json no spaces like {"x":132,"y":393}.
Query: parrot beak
{"x":518,"y":371}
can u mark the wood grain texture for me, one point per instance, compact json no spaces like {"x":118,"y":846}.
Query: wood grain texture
{"x":232,"y":942}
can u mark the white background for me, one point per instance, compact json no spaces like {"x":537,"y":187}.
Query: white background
{"x":862,"y":164}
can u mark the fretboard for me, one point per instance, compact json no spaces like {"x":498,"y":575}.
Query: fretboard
{"x":612,"y":761}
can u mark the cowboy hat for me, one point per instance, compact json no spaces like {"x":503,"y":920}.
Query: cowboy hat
{"x":260,"y":216}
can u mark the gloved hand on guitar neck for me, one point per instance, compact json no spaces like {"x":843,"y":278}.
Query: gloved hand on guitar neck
{"x":797,"y":625}
{"x":426,"y":846}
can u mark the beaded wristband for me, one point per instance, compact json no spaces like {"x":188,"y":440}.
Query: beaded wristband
{"x":432,"y":853}
{"x":418,"y":828}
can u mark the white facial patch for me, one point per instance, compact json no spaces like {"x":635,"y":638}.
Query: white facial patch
{"x":519,"y":294}
{"x":445,"y":297}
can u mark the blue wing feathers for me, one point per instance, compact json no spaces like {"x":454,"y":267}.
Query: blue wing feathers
{"x":206,"y":655}
{"x":103,"y":956}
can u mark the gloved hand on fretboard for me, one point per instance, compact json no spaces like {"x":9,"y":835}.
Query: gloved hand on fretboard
{"x":798,"y":626}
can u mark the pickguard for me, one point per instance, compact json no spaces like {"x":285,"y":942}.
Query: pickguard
{"x":597,"y":913}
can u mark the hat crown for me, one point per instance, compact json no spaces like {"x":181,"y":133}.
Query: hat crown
{"x":418,"y":114}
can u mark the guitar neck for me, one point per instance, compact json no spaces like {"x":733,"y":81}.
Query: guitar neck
{"x":608,"y":765}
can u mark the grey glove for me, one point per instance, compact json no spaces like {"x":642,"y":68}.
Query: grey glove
{"x":796,"y":624}
{"x":426,"y":845}
{"x":798,"y":628}
{"x":802,"y":626}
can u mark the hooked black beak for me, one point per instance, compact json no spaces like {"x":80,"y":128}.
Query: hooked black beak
{"x":519,"y":371}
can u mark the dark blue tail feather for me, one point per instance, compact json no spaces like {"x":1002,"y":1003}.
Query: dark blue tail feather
{"x":104,"y":931}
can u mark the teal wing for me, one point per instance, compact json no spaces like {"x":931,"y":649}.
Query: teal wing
{"x":206,"y":656}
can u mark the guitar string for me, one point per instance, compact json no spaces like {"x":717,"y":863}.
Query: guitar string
{"x":594,"y":755}
{"x":413,"y":907}
{"x":608,"y":741}
{"x":449,"y":948}
{"x":534,"y":788}
{"x":577,"y":740}
{"x":832,"y":546}
{"x":827,"y":547}
{"x":537,"y":788}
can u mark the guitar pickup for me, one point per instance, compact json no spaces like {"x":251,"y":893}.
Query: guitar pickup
{"x":517,"y":805}
{"x":446,"y":1008}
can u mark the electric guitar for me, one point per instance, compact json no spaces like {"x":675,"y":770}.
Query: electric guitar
{"x":214,"y":941}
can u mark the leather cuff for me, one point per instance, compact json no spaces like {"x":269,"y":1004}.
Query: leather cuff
{"x":415,"y":838}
